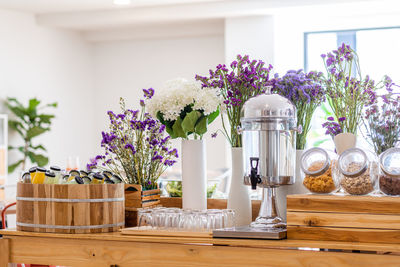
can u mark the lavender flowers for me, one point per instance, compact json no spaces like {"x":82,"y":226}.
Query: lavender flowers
{"x":135,"y":147}
{"x":306,"y":93}
{"x":347,"y":91}
{"x":245,"y":78}
{"x":382,"y":121}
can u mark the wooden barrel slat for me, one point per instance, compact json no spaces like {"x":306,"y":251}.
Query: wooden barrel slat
{"x":71,"y":214}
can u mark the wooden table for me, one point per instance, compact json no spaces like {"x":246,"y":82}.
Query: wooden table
{"x":115,"y":249}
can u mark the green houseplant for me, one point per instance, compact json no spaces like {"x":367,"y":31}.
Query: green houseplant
{"x":29,"y":123}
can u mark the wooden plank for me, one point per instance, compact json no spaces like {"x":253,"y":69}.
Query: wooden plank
{"x":4,"y":252}
{"x":343,"y":220}
{"x":125,"y":254}
{"x":149,"y":231}
{"x":286,"y":243}
{"x":344,"y":234}
{"x":347,"y":204}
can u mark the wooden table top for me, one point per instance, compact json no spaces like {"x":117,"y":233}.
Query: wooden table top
{"x":280,"y":244}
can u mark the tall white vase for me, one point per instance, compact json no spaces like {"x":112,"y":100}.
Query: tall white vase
{"x":296,"y":188}
{"x":194,"y":178}
{"x":239,"y":198}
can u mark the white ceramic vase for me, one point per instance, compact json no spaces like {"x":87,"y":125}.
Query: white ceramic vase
{"x":344,"y":141}
{"x":194,"y":174}
{"x":239,"y":197}
{"x":296,"y":188}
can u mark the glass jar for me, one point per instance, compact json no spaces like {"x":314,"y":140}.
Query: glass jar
{"x":358,"y":171}
{"x":318,"y":167}
{"x":389,"y":177}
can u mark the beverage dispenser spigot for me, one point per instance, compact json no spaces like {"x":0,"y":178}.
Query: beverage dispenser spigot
{"x":268,"y":128}
{"x":254,"y":176}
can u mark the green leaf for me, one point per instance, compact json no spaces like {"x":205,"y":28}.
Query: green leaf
{"x":45,"y":118}
{"x":38,"y":147}
{"x":21,"y":149}
{"x":190,"y":121}
{"x":35,"y":131}
{"x":39,"y":159}
{"x":12,"y":167}
{"x":54,"y":105}
{"x":17,"y":126}
{"x":201,"y":126}
{"x":213,"y":116}
{"x":33,"y":103}
{"x":170,"y":132}
{"x":178,"y":130}
{"x":20,"y":112}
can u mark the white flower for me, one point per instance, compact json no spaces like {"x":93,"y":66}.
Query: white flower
{"x":176,"y":94}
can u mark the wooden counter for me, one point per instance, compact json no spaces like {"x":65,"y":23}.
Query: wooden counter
{"x":115,"y":249}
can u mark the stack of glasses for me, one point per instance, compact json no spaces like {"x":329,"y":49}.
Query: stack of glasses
{"x":186,"y":220}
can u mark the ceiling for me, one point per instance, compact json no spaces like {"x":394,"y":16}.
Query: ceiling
{"x":58,"y":6}
{"x":97,"y":15}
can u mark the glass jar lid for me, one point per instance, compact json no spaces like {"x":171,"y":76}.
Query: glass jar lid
{"x":353,"y":162}
{"x":390,"y":162}
{"x":315,"y":161}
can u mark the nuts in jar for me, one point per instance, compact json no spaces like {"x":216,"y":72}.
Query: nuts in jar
{"x":389,"y":180}
{"x":319,"y":184}
{"x":359,"y":170}
{"x":318,"y":165}
{"x":360,"y":185}
{"x":389,"y":185}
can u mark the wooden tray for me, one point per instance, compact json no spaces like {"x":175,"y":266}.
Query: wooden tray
{"x":344,"y":218}
{"x":149,"y":231}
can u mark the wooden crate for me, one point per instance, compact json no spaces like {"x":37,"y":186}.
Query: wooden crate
{"x":61,"y":208}
{"x":136,"y":198}
{"x":344,"y":218}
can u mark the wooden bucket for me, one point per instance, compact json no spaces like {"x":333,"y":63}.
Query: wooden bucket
{"x":60,"y":208}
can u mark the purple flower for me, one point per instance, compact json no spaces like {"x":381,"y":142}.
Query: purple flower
{"x":330,"y":118}
{"x":341,"y":119}
{"x":214,"y":135}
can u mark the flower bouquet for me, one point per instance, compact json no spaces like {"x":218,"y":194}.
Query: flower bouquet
{"x":244,"y":79}
{"x":348,"y":92}
{"x":135,"y":147}
{"x":186,"y":110}
{"x":306,"y":93}
{"x":382,"y":120}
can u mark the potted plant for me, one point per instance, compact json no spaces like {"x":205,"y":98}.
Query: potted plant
{"x":29,"y":123}
{"x":243,"y":79}
{"x":186,"y":110}
{"x":136,"y":149}
{"x":348,"y":92}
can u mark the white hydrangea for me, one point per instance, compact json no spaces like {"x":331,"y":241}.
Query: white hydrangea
{"x":176,"y":94}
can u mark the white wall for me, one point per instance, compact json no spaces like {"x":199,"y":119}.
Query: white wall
{"x":52,"y":65}
{"x":124,"y":68}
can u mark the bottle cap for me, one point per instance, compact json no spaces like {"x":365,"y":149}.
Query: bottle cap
{"x":55,"y":168}
{"x":50,"y":174}
{"x":33,"y":169}
{"x":40,"y":169}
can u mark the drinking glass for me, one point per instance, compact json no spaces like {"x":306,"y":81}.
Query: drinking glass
{"x":144,"y":217}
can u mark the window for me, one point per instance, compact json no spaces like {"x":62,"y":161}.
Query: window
{"x":378,"y":50}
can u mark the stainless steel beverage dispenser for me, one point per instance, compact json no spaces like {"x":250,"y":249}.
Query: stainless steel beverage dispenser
{"x":268,"y":127}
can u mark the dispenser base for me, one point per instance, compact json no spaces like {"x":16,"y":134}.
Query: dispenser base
{"x":250,"y":233}
{"x":268,"y":223}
